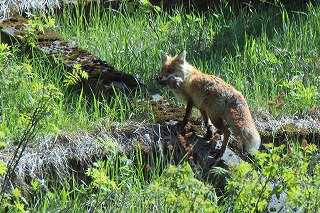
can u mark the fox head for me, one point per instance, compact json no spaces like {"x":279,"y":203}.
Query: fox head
{"x":172,"y":70}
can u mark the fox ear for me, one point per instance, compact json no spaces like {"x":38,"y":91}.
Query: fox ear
{"x":182,"y":56}
{"x":164,"y":56}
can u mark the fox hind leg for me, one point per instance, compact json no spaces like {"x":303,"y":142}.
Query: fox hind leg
{"x":188,"y":113}
{"x":219,"y":124}
{"x":208,"y":125}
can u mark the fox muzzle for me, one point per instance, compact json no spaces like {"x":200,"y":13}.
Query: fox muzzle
{"x":161,"y":80}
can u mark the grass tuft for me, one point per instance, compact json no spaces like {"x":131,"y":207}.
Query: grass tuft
{"x":271,"y":56}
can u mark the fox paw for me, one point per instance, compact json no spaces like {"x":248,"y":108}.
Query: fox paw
{"x":208,"y":136}
{"x":218,"y":154}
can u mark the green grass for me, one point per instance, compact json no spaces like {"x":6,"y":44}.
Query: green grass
{"x":259,"y":53}
{"x":27,"y":78}
{"x":119,"y":185}
{"x":263,"y":54}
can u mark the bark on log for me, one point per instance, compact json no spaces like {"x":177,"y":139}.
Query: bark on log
{"x":103,"y":78}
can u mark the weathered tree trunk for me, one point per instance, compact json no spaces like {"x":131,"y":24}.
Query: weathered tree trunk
{"x":102,"y":77}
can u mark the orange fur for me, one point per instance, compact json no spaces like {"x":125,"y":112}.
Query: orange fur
{"x":220,"y":103}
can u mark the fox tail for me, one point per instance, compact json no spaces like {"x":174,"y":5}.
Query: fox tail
{"x":243,"y":127}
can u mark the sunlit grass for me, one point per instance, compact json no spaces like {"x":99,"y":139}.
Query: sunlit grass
{"x":258,"y":53}
{"x":24,"y":78}
{"x":270,"y":55}
{"x":262,"y":54}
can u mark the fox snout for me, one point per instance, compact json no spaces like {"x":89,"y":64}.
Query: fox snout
{"x":159,"y":79}
{"x":171,"y":81}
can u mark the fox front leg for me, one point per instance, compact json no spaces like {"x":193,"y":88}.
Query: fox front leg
{"x":188,"y":113}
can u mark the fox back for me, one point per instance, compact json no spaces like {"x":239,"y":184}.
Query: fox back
{"x":220,"y":103}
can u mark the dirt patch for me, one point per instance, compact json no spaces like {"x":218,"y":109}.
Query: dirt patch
{"x":164,"y":111}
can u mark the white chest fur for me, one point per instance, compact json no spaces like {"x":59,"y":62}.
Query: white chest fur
{"x":179,"y":96}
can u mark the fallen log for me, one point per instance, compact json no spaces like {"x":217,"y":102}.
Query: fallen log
{"x":102,"y":77}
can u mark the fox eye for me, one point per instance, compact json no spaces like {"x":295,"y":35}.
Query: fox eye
{"x":159,"y":77}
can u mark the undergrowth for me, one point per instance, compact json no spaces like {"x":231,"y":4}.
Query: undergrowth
{"x":119,"y":185}
{"x":271,"y":56}
{"x":263,"y":53}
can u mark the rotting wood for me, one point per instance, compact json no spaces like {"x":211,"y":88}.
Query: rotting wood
{"x":102,"y":77}
{"x":71,"y":154}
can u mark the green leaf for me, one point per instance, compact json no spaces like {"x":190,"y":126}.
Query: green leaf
{"x":35,"y":184}
{"x":3,"y":168}
{"x":84,"y":74}
{"x":2,"y":144}
{"x":77,"y":66}
{"x":261,"y":205}
{"x":2,"y":134}
{"x":16,"y":192}
{"x":51,"y":22}
{"x":157,"y":8}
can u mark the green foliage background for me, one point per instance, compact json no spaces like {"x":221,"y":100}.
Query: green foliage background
{"x":263,"y":53}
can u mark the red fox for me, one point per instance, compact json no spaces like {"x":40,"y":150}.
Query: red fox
{"x":220,"y":103}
